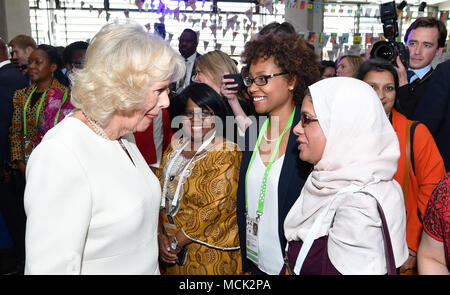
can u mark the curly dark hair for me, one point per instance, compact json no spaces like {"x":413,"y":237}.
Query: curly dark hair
{"x":290,"y":53}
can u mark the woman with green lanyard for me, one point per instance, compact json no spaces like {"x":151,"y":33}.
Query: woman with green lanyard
{"x":281,"y":67}
{"x":40,"y":106}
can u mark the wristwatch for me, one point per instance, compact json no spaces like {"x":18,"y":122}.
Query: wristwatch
{"x":174,"y":244}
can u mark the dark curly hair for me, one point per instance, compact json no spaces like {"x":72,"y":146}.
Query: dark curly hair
{"x":291,"y":54}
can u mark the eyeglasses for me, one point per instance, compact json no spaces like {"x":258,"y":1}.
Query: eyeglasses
{"x":306,"y":119}
{"x":261,"y":80}
{"x":204,"y":114}
{"x":194,"y":76}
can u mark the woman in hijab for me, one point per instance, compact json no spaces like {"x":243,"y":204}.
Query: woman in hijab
{"x":335,"y":223}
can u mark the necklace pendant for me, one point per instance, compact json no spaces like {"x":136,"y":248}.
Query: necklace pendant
{"x":270,"y":140}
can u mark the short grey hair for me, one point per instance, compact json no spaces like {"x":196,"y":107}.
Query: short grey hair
{"x":121,"y":63}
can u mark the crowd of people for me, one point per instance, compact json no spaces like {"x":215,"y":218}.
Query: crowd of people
{"x":126,"y":156}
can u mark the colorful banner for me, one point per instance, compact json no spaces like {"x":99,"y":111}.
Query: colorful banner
{"x":345,"y":38}
{"x":219,"y":23}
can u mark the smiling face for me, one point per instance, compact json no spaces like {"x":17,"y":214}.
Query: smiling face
{"x":139,"y":120}
{"x":277,"y":94}
{"x":198,"y":122}
{"x":39,"y":66}
{"x":311,"y":139}
{"x":423,"y":46}
{"x":384,"y":85}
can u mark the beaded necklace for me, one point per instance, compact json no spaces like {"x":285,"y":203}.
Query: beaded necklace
{"x":99,"y":131}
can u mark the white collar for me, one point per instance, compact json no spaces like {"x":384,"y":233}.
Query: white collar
{"x":422,"y":71}
{"x":4,"y":63}
{"x":192,"y":58}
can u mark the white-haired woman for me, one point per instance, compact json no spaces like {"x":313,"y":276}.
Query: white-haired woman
{"x":91,"y":200}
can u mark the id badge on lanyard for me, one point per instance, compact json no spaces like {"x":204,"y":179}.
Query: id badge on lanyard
{"x":252,"y":239}
{"x":27,"y":142}
{"x":253,"y":223}
{"x":168,"y":222}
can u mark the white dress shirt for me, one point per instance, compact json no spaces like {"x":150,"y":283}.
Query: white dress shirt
{"x":419,"y":73}
{"x":90,"y":210}
{"x":190,"y":61}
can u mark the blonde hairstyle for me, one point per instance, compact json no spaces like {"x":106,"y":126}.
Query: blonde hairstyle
{"x":121,"y":63}
{"x":23,"y":41}
{"x":354,"y":61}
{"x":215,"y":63}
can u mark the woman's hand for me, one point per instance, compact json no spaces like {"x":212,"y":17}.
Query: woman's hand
{"x":411,"y":262}
{"x":165,"y":252}
{"x":230,"y":95}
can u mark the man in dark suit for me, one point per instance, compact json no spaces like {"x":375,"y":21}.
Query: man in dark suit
{"x":10,"y":80}
{"x":425,"y":39}
{"x":434,"y":110}
{"x":187,"y":46}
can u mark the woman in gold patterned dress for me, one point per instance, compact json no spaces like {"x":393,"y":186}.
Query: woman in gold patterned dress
{"x":198,"y":231}
{"x":38,"y":107}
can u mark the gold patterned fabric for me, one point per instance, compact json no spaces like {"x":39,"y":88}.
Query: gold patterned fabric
{"x":207,"y":212}
{"x":21,"y":146}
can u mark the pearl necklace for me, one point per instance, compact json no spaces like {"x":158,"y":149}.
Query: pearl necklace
{"x":99,"y":131}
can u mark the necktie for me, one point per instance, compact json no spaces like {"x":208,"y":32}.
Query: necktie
{"x":410,"y":75}
{"x":181,"y":85}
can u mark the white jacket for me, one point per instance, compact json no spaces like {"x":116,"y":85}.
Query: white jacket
{"x":89,"y":209}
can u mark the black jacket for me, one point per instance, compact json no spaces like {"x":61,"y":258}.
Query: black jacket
{"x":10,"y":81}
{"x":292,"y":178}
{"x":434,"y":110}
{"x":173,"y":86}
{"x":409,"y":95}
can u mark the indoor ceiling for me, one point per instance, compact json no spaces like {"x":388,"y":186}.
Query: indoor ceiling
{"x":412,"y":2}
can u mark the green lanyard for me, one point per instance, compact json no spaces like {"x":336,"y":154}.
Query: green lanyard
{"x":262,"y":193}
{"x":37,"y":112}
{"x":59,"y":110}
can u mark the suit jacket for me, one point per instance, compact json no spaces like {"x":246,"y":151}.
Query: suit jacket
{"x":106,"y":223}
{"x":292,"y":178}
{"x":10,"y":81}
{"x":434,"y":110}
{"x":409,"y":95}
{"x":173,"y":86}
